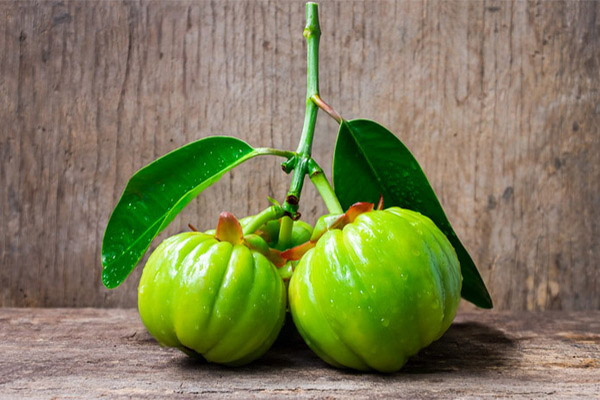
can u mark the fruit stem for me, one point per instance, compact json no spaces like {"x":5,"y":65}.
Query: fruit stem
{"x":285,"y":232}
{"x":319,"y":180}
{"x":258,"y":220}
{"x":312,"y":33}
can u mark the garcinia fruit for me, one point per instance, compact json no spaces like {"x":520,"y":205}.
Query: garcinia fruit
{"x":375,"y":288}
{"x":218,"y":296}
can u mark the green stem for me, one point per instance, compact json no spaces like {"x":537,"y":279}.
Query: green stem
{"x":258,"y":220}
{"x":312,"y":33}
{"x":319,"y":180}
{"x":285,"y":232}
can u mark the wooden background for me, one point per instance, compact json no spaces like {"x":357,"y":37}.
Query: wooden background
{"x":500,"y":101}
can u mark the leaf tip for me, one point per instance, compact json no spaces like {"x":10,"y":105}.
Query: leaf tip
{"x":108,"y":282}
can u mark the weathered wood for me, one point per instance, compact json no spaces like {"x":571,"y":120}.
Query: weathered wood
{"x":499,"y":101}
{"x":93,"y":353}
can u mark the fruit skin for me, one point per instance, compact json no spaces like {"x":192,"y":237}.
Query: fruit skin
{"x":376,"y":292}
{"x":222,"y":301}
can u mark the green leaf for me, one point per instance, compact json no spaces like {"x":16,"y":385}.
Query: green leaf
{"x":157,"y":193}
{"x":370,"y":161}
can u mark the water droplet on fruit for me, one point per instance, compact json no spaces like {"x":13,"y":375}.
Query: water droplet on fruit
{"x":385,"y":322}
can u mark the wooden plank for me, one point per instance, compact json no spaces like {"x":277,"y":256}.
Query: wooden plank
{"x":499,"y":101}
{"x":93,"y":353}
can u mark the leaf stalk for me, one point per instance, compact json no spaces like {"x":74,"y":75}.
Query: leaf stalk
{"x":327,"y":108}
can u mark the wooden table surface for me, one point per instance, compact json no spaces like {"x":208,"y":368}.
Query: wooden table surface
{"x":93,"y":353}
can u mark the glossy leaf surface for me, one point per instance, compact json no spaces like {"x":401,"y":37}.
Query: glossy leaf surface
{"x":157,"y":193}
{"x":370,"y":161}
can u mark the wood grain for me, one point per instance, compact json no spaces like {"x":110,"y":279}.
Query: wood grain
{"x":498,"y":100}
{"x":95,"y":353}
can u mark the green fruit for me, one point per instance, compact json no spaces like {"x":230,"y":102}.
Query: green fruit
{"x":374,"y":293}
{"x":212,"y":297}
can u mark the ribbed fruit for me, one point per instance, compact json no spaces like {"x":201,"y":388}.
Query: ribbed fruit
{"x":375,"y":292}
{"x":214,"y":298}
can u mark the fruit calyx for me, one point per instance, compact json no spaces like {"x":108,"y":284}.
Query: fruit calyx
{"x":230,"y":230}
